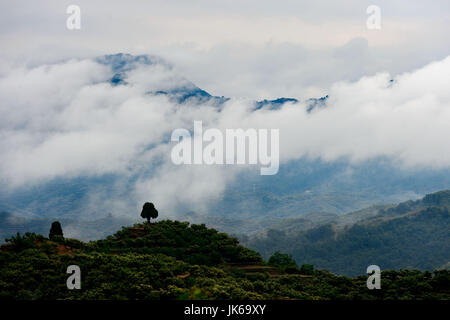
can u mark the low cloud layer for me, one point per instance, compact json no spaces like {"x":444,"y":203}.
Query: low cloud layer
{"x":66,"y":120}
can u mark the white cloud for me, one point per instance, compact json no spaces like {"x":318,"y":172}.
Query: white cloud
{"x":64,"y":121}
{"x":255,"y":49}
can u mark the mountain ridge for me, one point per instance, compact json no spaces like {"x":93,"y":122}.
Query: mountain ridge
{"x":411,"y":234}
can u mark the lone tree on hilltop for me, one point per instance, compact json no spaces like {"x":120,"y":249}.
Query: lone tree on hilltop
{"x":149,"y":211}
{"x":55,"y":230}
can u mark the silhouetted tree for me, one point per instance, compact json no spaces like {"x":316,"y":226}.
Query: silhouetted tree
{"x":149,"y":211}
{"x":55,"y":230}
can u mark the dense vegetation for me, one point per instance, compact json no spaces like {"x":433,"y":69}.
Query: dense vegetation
{"x":413,"y":234}
{"x":175,"y":260}
{"x":195,"y":244}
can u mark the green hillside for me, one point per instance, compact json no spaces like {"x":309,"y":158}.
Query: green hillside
{"x":412,"y":234}
{"x":176,"y":260}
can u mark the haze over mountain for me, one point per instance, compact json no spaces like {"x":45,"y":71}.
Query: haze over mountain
{"x":91,"y":137}
{"x":99,"y":101}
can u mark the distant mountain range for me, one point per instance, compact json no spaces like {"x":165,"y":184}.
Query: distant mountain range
{"x":250,"y":204}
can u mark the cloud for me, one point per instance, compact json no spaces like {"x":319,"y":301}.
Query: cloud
{"x":66,"y":120}
{"x":254,"y":49}
{"x":405,"y":120}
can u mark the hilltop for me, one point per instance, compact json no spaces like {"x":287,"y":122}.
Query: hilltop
{"x":176,"y":260}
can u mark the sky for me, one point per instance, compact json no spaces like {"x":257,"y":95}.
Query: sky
{"x":254,"y":49}
{"x":60,"y":118}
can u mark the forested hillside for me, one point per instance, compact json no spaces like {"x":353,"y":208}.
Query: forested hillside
{"x":176,"y":260}
{"x":413,"y":234}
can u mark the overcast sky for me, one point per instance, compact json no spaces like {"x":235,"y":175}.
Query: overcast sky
{"x":247,"y":48}
{"x":60,"y":118}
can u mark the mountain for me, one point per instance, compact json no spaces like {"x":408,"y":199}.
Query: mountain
{"x":275,"y":104}
{"x":412,"y":234}
{"x":249,"y":204}
{"x":183,"y":92}
{"x":176,"y":260}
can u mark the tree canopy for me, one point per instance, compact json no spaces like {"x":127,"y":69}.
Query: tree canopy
{"x":176,"y":260}
{"x":55,"y":230}
{"x":149,"y":211}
